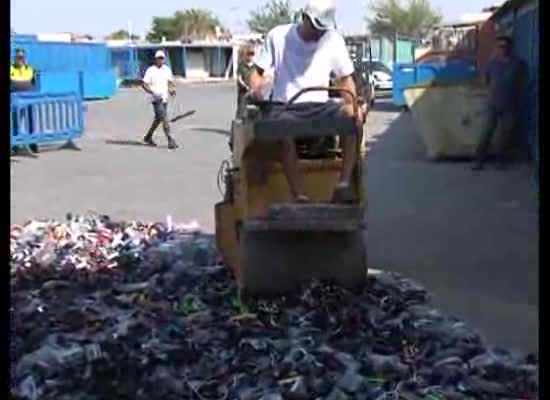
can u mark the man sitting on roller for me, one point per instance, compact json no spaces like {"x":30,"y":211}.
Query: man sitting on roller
{"x":305,"y":55}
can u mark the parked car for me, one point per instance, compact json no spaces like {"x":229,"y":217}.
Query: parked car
{"x":359,"y":48}
{"x":380,"y":76}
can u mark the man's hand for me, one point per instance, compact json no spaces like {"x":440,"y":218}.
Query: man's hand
{"x":257,"y":81}
{"x":242,"y":84}
{"x":171,"y":88}
{"x":147,"y":88}
{"x":347,"y":83}
{"x":255,"y":95}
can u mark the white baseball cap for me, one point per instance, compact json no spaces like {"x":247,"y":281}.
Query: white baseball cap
{"x":322,"y":14}
{"x":160,"y":54}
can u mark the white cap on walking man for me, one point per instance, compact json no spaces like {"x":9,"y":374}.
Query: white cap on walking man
{"x":160,"y":54}
{"x":322,"y":14}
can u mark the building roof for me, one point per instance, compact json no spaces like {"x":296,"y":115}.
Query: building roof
{"x":467,"y":20}
{"x":510,"y":5}
{"x":146,"y":45}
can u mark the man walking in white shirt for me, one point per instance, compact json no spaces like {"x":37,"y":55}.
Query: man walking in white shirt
{"x":305,"y":55}
{"x":159,"y":83}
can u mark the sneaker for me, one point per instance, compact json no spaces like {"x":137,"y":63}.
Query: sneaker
{"x":33,"y":147}
{"x":172,"y":145}
{"x":343,"y":193}
{"x":302,"y":199}
{"x":149,"y":141}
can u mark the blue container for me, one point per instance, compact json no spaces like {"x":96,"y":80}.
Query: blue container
{"x":84,"y":68}
{"x":99,"y":84}
{"x":216,"y":62}
{"x":60,"y":82}
{"x":23,"y":37}
{"x":125,"y":64}
{"x":405,"y":75}
{"x":61,"y":56}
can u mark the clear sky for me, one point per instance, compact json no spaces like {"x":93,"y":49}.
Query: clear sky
{"x":100,"y":17}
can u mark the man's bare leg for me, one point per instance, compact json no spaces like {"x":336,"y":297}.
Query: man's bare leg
{"x":289,"y":160}
{"x":349,"y":144}
{"x":343,"y":191}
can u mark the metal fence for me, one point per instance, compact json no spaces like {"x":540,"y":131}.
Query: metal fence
{"x":38,"y":118}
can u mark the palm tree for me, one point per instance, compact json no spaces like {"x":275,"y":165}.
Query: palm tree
{"x":414,"y":18}
{"x":122,"y":34}
{"x":185,"y":25}
{"x":196,"y":24}
{"x":276,"y":12}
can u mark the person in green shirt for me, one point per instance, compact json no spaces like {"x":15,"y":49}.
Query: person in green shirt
{"x":246,"y":65}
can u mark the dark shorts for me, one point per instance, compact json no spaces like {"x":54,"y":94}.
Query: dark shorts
{"x":161,"y":110}
{"x":302,"y":113}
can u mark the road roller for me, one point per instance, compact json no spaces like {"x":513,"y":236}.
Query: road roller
{"x":271,"y":243}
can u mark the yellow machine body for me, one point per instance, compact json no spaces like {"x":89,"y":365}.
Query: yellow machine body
{"x":248,"y":198}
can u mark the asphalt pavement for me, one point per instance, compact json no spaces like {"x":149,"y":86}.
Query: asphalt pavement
{"x":471,"y":238}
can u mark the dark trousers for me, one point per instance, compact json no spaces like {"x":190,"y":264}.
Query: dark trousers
{"x":161,"y":117}
{"x":29,"y":123}
{"x":241,"y":108}
{"x":241,"y":104}
{"x":508,"y":122}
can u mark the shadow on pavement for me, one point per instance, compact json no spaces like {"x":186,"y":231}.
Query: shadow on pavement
{"x":46,"y":148}
{"x":470,"y":238}
{"x":224,"y":132}
{"x":384,"y":105}
{"x":182,"y":116}
{"x":134,"y":143}
{"x":23,"y":152}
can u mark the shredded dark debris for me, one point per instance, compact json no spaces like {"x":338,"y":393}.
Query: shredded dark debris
{"x":105,"y":310}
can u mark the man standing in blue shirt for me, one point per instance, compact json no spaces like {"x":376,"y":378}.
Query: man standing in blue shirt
{"x":506,"y":77}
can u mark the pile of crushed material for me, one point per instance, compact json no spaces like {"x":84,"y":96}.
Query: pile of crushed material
{"x":127,"y":310}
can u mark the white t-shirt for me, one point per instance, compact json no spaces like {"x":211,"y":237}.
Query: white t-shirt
{"x":298,"y":64}
{"x":158,"y":78}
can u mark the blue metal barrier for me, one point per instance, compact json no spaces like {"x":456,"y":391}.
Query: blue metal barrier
{"x":38,"y":118}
